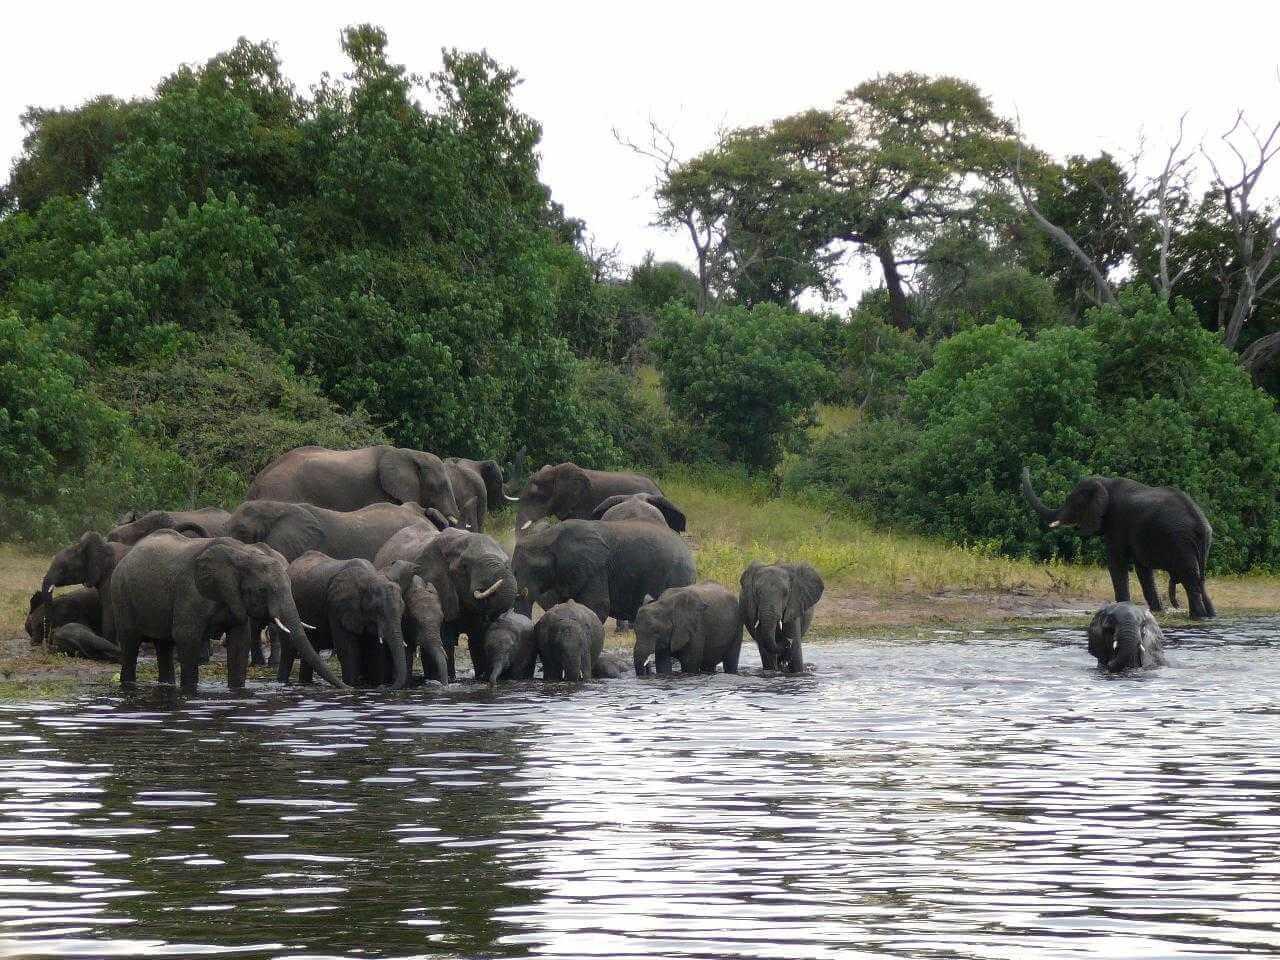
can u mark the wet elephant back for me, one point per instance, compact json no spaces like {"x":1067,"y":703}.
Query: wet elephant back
{"x":361,"y":534}
{"x":406,"y":544}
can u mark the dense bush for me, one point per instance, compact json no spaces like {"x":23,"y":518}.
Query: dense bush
{"x":874,"y":361}
{"x":1141,"y":390}
{"x":748,"y":378}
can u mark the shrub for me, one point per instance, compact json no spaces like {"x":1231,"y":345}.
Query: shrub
{"x":875,"y":361}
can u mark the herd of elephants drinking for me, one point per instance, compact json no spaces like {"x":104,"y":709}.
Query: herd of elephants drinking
{"x":379,"y":554}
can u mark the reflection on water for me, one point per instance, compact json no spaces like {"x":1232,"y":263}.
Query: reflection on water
{"x":974,"y":796}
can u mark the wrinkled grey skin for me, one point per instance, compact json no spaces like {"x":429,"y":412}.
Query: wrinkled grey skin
{"x":423,"y":620}
{"x":569,"y":639}
{"x":1150,"y":528}
{"x":510,"y":649}
{"x":351,"y":479}
{"x":295,"y":528}
{"x":612,"y":664}
{"x":697,"y":625}
{"x":77,"y":640}
{"x":477,"y":485}
{"x":91,"y":561}
{"x":357,"y":612}
{"x":472,"y":576}
{"x":1124,"y":636}
{"x":46,"y":614}
{"x":273,"y":634}
{"x":776,"y":606}
{"x":607,"y":565}
{"x":133,"y":526}
{"x":641,"y":506}
{"x":180,"y":592}
{"x":569,"y":492}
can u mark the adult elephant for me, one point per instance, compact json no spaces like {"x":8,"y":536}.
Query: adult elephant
{"x":472,"y":577}
{"x":180,"y":592}
{"x":1152,"y":528}
{"x":477,"y":486}
{"x":422,"y":623}
{"x":1123,"y":636}
{"x":357,"y":612}
{"x":569,"y":492}
{"x":776,"y":604}
{"x":640,"y":506}
{"x":608,"y":566}
{"x":569,"y":640}
{"x":133,"y":526}
{"x":295,"y":528}
{"x":510,"y":649}
{"x":697,"y":625}
{"x":351,"y":479}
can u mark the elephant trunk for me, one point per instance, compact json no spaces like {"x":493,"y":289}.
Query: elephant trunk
{"x":1047,"y":514}
{"x":286,"y":618}
{"x":642,"y":652}
{"x":499,"y":666}
{"x":393,"y":639}
{"x":1126,"y":647}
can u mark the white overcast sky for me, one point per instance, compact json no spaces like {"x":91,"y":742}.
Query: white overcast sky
{"x":1083,"y":75}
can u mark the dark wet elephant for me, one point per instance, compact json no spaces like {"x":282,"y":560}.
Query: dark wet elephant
{"x":569,"y":492}
{"x":180,"y":592}
{"x":47,"y":613}
{"x":357,"y":612}
{"x":477,"y":485}
{"x":351,"y":479}
{"x":1123,"y":636}
{"x":90,"y":561}
{"x":697,"y":625}
{"x":640,"y":506}
{"x":607,"y":565}
{"x":472,"y":576}
{"x":510,"y":649}
{"x":776,"y":605}
{"x":133,"y":526}
{"x":295,"y":528}
{"x":423,"y":621}
{"x":1151,"y":528}
{"x":569,"y":638}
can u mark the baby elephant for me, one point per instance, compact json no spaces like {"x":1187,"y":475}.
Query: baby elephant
{"x":1124,"y":636}
{"x":423,"y":620}
{"x":697,"y":625}
{"x":776,"y":606}
{"x":509,"y":649}
{"x":570,"y":638}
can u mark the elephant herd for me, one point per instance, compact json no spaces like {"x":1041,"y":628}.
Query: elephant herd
{"x":379,"y":554}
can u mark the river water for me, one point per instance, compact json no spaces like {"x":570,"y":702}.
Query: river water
{"x":971,"y":795}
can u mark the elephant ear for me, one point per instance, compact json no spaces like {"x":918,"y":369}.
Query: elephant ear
{"x":1099,"y":646}
{"x":99,"y":560}
{"x":747,"y":608}
{"x":491,"y":474}
{"x":686,"y":620}
{"x":296,"y":531}
{"x":604,"y":506}
{"x":446,"y":564}
{"x":674,"y":515}
{"x":806,"y":590}
{"x":345,"y":597}
{"x":1095,"y":507}
{"x":398,"y":476}
{"x":217,"y":576}
{"x":571,"y":486}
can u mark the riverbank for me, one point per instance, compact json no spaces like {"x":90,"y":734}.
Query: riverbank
{"x":878,"y":582}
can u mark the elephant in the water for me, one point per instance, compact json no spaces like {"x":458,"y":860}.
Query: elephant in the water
{"x":423,"y":622}
{"x":1152,"y":528}
{"x":295,"y":528}
{"x":477,"y":486}
{"x":607,"y":565}
{"x":640,"y":506}
{"x":472,"y":576}
{"x":1123,"y":636}
{"x":569,"y":638}
{"x":351,"y":479}
{"x":697,"y":625}
{"x":180,"y":592}
{"x":569,"y":492}
{"x":357,"y":612}
{"x":510,"y":649}
{"x":776,"y":605}
{"x":133,"y":526}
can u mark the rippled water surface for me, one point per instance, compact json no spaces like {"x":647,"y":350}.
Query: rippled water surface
{"x":983,"y":795}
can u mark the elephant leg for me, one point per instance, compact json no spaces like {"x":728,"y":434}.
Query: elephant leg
{"x":1209,"y":608}
{"x":129,"y":642}
{"x":1173,"y":592}
{"x":346,"y":648}
{"x":1198,"y":599}
{"x":306,"y":675}
{"x":662,"y":662}
{"x":255,"y":647}
{"x":164,"y":661}
{"x":1118,"y":565}
{"x":376,"y":659}
{"x":284,"y":661}
{"x":1150,"y":592}
{"x":273,"y":636}
{"x":731,"y":656}
{"x":190,"y":675}
{"x":239,"y":639}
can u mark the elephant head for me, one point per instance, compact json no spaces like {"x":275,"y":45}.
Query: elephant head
{"x":666,"y":628}
{"x":254,"y":586}
{"x":471,"y":573}
{"x":553,"y":562}
{"x":367,"y":604}
{"x":423,"y":618}
{"x":1085,"y":507}
{"x":1123,"y":636}
{"x":509,"y":648}
{"x":771,"y":596}
{"x":552,"y":491}
{"x":37,"y":623}
{"x":291,"y":528}
{"x":134,"y":526}
{"x":412,"y":476}
{"x":90,"y":560}
{"x":567,"y":635}
{"x":491,"y":473}
{"x":640,"y":506}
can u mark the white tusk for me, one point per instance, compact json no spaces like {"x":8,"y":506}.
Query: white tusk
{"x":1055,"y":523}
{"x":454,"y":521}
{"x":481,"y":594}
{"x":1115,"y":643}
{"x":305,"y":625}
{"x":756,"y":626}
{"x":526,"y":525}
{"x":510,"y":499}
{"x":283,"y":627}
{"x":379,"y":638}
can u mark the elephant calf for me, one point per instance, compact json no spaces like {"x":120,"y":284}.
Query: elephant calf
{"x":776,"y":605}
{"x":697,"y":625}
{"x":1124,"y":636}
{"x":46,"y":613}
{"x":640,"y":506}
{"x":423,"y":622}
{"x":510,"y":649}
{"x":570,"y":638}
